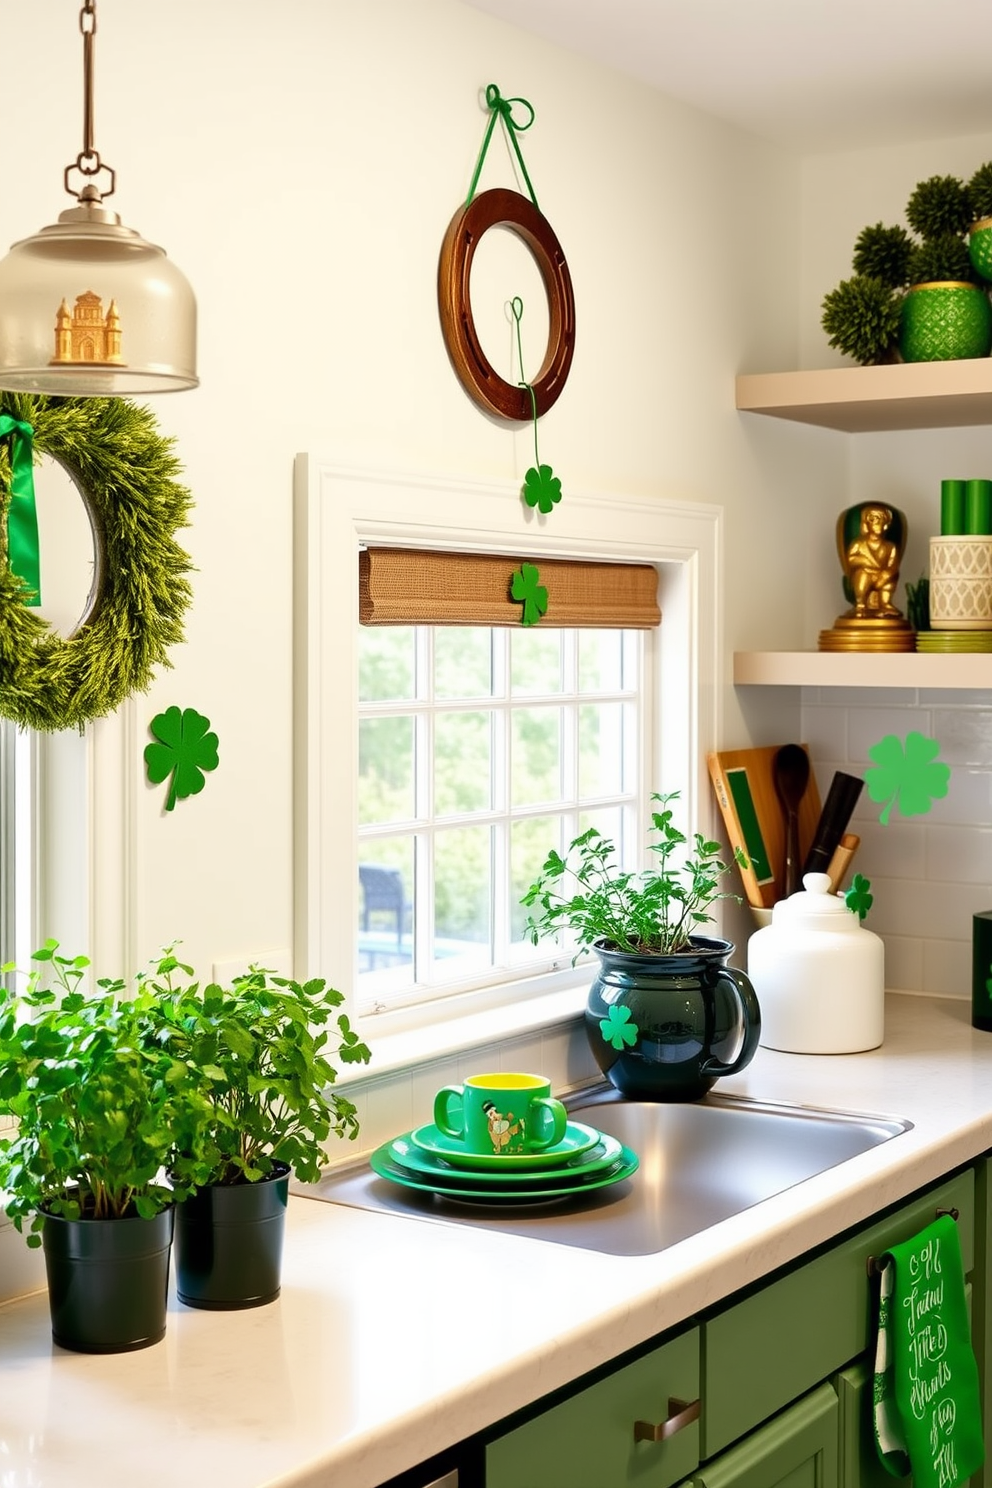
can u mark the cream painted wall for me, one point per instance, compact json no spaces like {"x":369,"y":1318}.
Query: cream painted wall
{"x":301,"y":163}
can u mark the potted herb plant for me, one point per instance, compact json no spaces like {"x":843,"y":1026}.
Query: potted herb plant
{"x":666,"y":1015}
{"x":99,"y":1113}
{"x":257,"y":1061}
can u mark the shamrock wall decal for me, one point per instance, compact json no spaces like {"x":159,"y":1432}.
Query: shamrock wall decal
{"x":185,"y":749}
{"x":909,"y":773}
{"x":526,"y":590}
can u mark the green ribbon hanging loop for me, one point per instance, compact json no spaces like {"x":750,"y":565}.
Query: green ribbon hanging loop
{"x":502,"y":108}
{"x":23,"y":551}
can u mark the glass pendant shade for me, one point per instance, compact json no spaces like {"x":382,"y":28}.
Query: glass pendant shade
{"x":88,"y":307}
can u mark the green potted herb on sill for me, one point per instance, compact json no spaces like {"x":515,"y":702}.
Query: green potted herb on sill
{"x":99,"y":1113}
{"x":257,"y":1062}
{"x":666,"y":1016}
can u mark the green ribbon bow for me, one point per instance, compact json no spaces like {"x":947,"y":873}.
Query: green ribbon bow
{"x":22,"y":514}
{"x":502,"y":108}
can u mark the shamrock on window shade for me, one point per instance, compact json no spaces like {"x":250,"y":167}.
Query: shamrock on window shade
{"x":184,"y":751}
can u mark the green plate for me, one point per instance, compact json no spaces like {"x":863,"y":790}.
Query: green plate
{"x":601,"y":1155}
{"x":457,"y":1186}
{"x":577,"y":1139}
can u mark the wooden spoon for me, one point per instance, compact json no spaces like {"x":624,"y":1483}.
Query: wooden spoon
{"x":790,"y":772}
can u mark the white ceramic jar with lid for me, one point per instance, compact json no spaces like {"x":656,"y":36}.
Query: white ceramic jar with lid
{"x":819,"y":975}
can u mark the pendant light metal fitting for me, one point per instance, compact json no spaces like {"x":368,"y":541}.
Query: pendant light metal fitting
{"x":87,"y":306}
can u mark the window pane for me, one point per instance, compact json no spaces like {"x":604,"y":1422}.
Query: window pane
{"x":535,"y":755}
{"x":462,"y":899}
{"x":386,"y":664}
{"x":463,"y":664}
{"x":530,"y":842}
{"x":385,"y":908}
{"x":535,"y":661}
{"x":602,"y":731}
{"x":600,"y":660}
{"x":616,"y":825}
{"x":462,"y":762}
{"x":385,"y":770}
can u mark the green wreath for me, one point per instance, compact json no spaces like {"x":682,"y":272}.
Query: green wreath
{"x":125,"y":471}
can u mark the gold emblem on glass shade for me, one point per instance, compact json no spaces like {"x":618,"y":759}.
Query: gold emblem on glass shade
{"x":84,"y":336}
{"x":870,"y":559}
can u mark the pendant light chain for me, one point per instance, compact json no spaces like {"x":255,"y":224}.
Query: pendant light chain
{"x":88,"y":161}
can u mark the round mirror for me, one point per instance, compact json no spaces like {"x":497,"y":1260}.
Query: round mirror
{"x":71,"y":547}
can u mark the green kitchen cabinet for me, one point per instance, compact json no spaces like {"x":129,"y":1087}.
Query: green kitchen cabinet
{"x":601,"y":1437}
{"x":765,"y":1350}
{"x":796,"y":1449}
{"x":767,"y":1390}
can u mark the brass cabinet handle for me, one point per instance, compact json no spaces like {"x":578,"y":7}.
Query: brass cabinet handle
{"x":680,"y":1413}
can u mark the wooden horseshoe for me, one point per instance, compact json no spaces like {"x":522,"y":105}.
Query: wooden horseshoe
{"x":511,"y":210}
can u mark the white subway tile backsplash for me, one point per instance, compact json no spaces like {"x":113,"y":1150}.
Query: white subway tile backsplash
{"x":968,"y":802}
{"x":867,"y":726}
{"x":947,"y":967}
{"x":825,"y":731}
{"x":897,"y":850}
{"x":965,"y":735}
{"x":940,"y":697}
{"x":960,"y":856}
{"x":930,"y":873}
{"x":903,"y":963}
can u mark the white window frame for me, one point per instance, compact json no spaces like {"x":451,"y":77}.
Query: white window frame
{"x":338,"y":510}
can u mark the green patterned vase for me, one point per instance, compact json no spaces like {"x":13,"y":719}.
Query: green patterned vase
{"x":980,"y":247}
{"x":945,"y":321}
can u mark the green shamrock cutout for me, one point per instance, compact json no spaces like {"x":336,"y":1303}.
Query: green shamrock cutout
{"x":618,"y":1029}
{"x":858,"y":899}
{"x":542,"y":488}
{"x":909,"y":774}
{"x":185,"y":750}
{"x":526,"y":590}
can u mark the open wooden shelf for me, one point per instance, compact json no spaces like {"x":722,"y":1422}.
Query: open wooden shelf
{"x":910,"y":395}
{"x":861,"y":669}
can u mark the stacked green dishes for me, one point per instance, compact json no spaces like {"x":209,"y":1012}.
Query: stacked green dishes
{"x":426,"y":1159}
{"x":946,"y":641}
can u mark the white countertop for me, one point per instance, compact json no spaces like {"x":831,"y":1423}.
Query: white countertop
{"x":395,"y":1337}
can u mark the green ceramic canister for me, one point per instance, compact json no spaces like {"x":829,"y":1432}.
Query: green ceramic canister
{"x":944,"y":321}
{"x":981,"y":971}
{"x":978,"y":508}
{"x":952,"y":508}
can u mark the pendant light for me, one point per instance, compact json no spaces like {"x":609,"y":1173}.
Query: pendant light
{"x":87,"y":306}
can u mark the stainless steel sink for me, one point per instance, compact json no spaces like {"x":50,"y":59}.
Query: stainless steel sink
{"x":700,"y":1163}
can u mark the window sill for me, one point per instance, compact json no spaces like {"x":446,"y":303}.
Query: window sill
{"x":401,"y":1049}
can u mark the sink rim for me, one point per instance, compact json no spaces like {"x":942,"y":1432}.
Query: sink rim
{"x":602,"y":1093}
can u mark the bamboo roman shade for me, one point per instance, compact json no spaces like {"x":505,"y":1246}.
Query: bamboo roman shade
{"x":409,"y":586}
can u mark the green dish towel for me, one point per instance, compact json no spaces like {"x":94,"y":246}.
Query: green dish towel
{"x":927,"y":1405}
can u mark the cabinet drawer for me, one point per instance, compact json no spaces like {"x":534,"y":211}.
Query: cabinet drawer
{"x":775,"y":1345}
{"x":587,"y":1441}
{"x":798,"y":1449}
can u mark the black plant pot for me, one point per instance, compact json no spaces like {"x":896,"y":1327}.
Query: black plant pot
{"x":229,"y":1243}
{"x":108,"y":1281}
